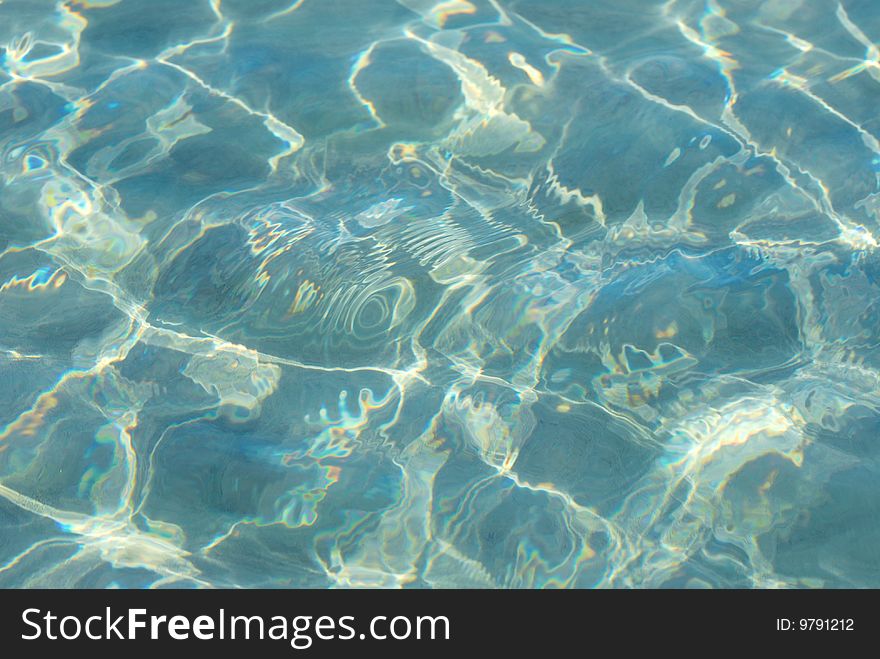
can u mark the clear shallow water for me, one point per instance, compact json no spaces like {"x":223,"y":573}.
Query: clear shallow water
{"x":485,"y":294}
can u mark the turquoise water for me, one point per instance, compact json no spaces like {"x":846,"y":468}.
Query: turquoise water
{"x":476,"y":293}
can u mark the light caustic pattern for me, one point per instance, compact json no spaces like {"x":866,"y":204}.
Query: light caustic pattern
{"x":483,"y":293}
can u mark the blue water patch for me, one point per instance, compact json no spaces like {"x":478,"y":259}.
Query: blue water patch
{"x":426,"y":294}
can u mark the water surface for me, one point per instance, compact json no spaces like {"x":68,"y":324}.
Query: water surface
{"x":470,"y":293}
